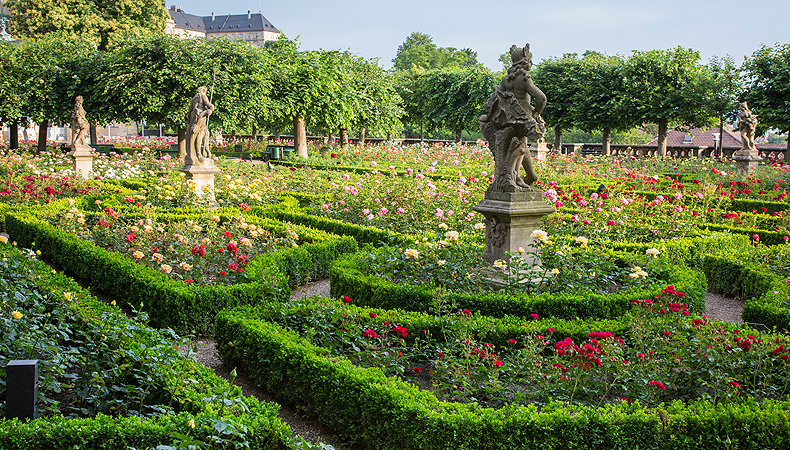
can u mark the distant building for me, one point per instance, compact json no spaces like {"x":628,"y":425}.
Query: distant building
{"x":252,"y":28}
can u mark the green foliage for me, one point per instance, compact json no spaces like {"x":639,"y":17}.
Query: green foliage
{"x":114,"y":365}
{"x":394,"y":414}
{"x":418,"y":52}
{"x":768,"y":87}
{"x":98,"y":22}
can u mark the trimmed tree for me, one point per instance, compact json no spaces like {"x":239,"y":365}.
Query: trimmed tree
{"x":768,"y":87}
{"x":667,"y":87}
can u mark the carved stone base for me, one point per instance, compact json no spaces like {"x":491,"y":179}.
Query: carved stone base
{"x":82,"y":163}
{"x":203,"y":178}
{"x":510,"y":219}
{"x":746,"y":160}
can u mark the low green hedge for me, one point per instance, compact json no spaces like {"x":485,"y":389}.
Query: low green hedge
{"x":187,"y":387}
{"x":347,"y":280}
{"x":170,"y":303}
{"x":376,"y":411}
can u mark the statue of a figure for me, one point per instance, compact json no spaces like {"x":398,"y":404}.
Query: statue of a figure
{"x":79,"y":125}
{"x":747,"y":124}
{"x":510,"y":119}
{"x":198,"y":148}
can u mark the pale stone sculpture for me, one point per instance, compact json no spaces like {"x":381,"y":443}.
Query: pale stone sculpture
{"x":747,"y":125}
{"x":198,"y":163}
{"x":510,"y":120}
{"x":513,"y":209}
{"x":748,"y":157}
{"x":79,"y":125}
{"x":81,"y":152}
{"x":198,"y":148}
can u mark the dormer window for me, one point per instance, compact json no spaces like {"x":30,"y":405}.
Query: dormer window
{"x":687,"y":139}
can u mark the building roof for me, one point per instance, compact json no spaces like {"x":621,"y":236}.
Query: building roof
{"x":228,"y":23}
{"x":699,"y":137}
{"x":232,"y":23}
{"x":186,"y":21}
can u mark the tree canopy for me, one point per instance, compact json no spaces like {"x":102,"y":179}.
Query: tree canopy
{"x":768,"y":85}
{"x":99,"y":22}
{"x":420,"y":52}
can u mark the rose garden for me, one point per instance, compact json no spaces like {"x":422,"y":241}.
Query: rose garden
{"x":589,"y":331}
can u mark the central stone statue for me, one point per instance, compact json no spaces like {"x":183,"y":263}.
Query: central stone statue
{"x":512,"y":208}
{"x":511,"y":119}
{"x":198,"y":147}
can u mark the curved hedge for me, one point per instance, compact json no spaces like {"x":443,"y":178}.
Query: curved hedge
{"x":170,"y":303}
{"x":376,"y":411}
{"x":346,"y":279}
{"x":186,"y":387}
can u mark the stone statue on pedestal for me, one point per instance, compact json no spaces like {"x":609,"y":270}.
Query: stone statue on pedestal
{"x":512,"y":208}
{"x":198,"y":165}
{"x":747,"y":125}
{"x":510,"y":120}
{"x":198,"y":148}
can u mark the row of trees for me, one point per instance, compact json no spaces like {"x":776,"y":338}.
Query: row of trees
{"x":447,"y":88}
{"x":153,"y":77}
{"x":670,"y":88}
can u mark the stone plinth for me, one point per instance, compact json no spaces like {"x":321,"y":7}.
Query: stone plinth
{"x":200,"y":178}
{"x":510,"y":219}
{"x":83,"y":160}
{"x":746,"y":160}
{"x":539,"y":150}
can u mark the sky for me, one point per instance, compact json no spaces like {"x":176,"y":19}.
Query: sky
{"x":375,"y":29}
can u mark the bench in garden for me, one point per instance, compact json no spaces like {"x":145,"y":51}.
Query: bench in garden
{"x":278,"y":151}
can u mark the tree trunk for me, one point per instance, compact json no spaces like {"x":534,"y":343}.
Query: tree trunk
{"x":787,"y":148}
{"x":13,"y":135}
{"x":344,"y":138}
{"x":233,"y":136}
{"x":662,"y":137}
{"x":94,"y":139}
{"x":389,"y":136}
{"x":331,"y":137}
{"x":276,"y":134}
{"x":606,"y":141}
{"x":254,"y":133}
{"x":719,"y":144}
{"x":458,"y":132}
{"x":558,"y":140}
{"x":182,"y":142}
{"x":42,"y":135}
{"x":300,"y":137}
{"x":361,"y":137}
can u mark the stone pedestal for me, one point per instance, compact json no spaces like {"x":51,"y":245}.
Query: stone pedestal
{"x":746,"y":160}
{"x":83,"y":160}
{"x":510,"y":219}
{"x":539,"y":151}
{"x":202,"y":179}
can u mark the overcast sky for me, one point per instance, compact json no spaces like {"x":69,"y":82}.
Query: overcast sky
{"x":375,"y":29}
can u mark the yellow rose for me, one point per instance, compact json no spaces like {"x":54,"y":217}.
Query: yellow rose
{"x":16,"y":314}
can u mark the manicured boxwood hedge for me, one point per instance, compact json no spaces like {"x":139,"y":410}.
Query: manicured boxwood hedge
{"x":264,"y":429}
{"x":170,"y":303}
{"x":347,"y":280}
{"x":376,"y":411}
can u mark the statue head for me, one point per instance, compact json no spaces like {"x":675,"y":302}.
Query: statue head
{"x":78,"y":100}
{"x":743,"y":106}
{"x":202,"y":90}
{"x":521,"y":56}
